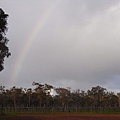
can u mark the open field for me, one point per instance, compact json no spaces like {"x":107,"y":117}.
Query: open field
{"x":61,"y":117}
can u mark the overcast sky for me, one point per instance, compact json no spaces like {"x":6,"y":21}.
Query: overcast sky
{"x":65,"y":43}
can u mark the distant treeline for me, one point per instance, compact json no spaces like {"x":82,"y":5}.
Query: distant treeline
{"x":40,"y":97}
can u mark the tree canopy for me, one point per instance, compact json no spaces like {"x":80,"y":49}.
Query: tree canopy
{"x":4,"y":50}
{"x":41,"y":96}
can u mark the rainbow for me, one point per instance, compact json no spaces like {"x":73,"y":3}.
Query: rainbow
{"x":28,"y":42}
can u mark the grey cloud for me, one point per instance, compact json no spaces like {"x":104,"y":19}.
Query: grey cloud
{"x":77,"y":47}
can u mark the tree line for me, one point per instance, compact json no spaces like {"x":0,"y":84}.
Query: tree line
{"x":40,"y":96}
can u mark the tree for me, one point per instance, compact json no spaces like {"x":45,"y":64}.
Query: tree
{"x":29,"y":93}
{"x":16,"y":95}
{"x":97,"y":94}
{"x":63,"y":96}
{"x":2,"y":112}
{"x":118,"y":94}
{"x":39,"y":91}
{"x":4,"y":50}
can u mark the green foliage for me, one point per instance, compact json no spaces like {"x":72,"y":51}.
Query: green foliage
{"x":4,"y":50}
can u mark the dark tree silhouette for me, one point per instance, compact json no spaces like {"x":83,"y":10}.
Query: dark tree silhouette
{"x":4,"y":50}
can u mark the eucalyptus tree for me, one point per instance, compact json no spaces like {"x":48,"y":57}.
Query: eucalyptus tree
{"x":76,"y":98}
{"x":4,"y":50}
{"x":2,"y":91}
{"x":63,"y":94}
{"x":8,"y":98}
{"x":118,"y":94}
{"x":48,"y":88}
{"x":112,"y":100}
{"x":39,"y":92}
{"x":29,"y":94}
{"x":97,"y":94}
{"x":16,"y":96}
{"x":2,"y":101}
{"x":49,"y":99}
